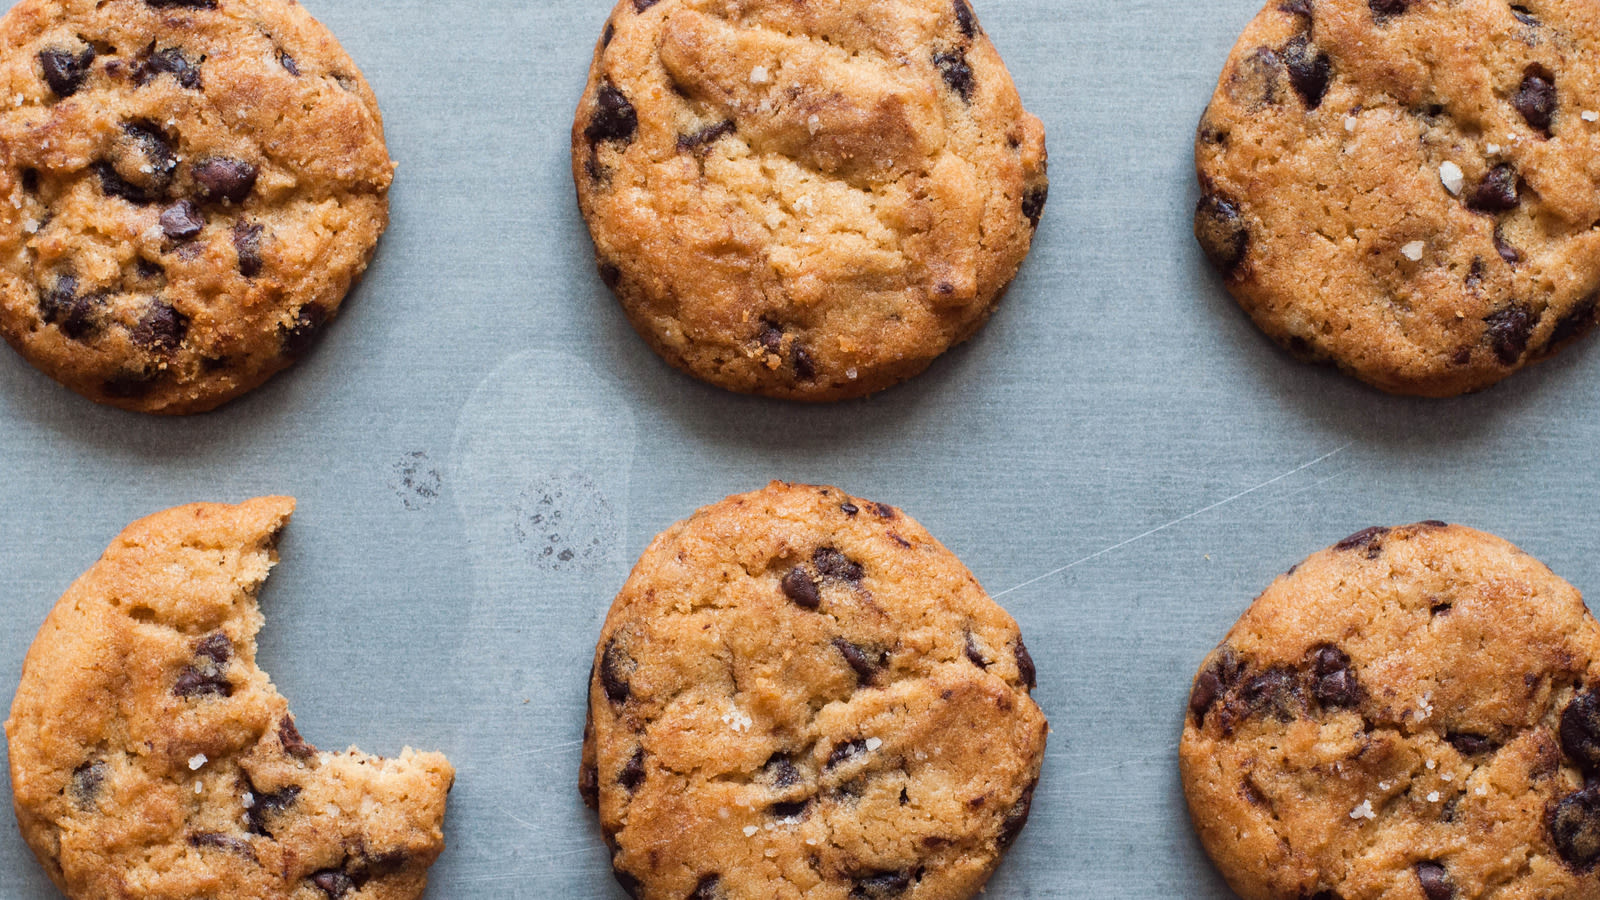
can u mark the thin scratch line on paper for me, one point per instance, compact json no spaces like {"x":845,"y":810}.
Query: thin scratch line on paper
{"x":1175,"y":522}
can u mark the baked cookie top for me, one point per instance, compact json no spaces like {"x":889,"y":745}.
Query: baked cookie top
{"x":805,"y":200}
{"x":802,"y":694}
{"x":151,"y":758}
{"x":188,"y":189}
{"x":1413,"y":713}
{"x":1409,"y":188}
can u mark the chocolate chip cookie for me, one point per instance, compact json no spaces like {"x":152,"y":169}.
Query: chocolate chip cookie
{"x":188,"y":189}
{"x":802,"y":694}
{"x":1409,"y":188}
{"x":150,"y":757}
{"x":804,"y":200}
{"x":1412,"y":713}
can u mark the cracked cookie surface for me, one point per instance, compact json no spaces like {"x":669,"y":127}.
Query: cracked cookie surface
{"x":808,"y":201}
{"x":1412,"y":713}
{"x":802,"y":694}
{"x":187,"y":192}
{"x":151,"y":758}
{"x":1410,"y":189}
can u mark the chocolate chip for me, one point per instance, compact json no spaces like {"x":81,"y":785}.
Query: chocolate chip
{"x":1033,"y":200}
{"x":200,"y":839}
{"x":589,"y":785}
{"x":144,"y":165}
{"x":849,"y":509}
{"x":333,"y":882}
{"x":845,"y":752}
{"x":193,"y":682}
{"x":883,"y":511}
{"x":224,"y":178}
{"x":833,"y":565}
{"x":1212,"y":682}
{"x":614,"y":666}
{"x":247,"y":244}
{"x":1309,"y":70}
{"x":614,"y":118}
{"x":792,"y":810}
{"x":706,"y":136}
{"x":269,"y":805}
{"x":707,"y":888}
{"x":293,"y":743}
{"x":1025,"y":669}
{"x":865,"y":664}
{"x":30,"y":180}
{"x":798,"y":586}
{"x":1524,"y":15}
{"x":974,"y":654}
{"x":1257,"y":79}
{"x":1367,"y":537}
{"x":1296,"y":7}
{"x":74,"y":314}
{"x":965,"y":20}
{"x":1536,"y":99}
{"x":607,"y":35}
{"x":299,"y":338}
{"x":1574,"y":826}
{"x":129,"y":385}
{"x":881,"y":885}
{"x":1275,"y":692}
{"x":1508,"y":331}
{"x":633,"y":773}
{"x":1469,"y":744}
{"x":781,"y":771}
{"x":1221,"y":230}
{"x":1384,"y":10}
{"x":630,"y":885}
{"x":170,"y":61}
{"x":642,"y":5}
{"x":1335,"y":684}
{"x":1576,"y":323}
{"x":161,"y":328}
{"x":1497,"y":192}
{"x":1580,"y":729}
{"x":805,"y":368}
{"x":288,"y":62}
{"x":181,"y":4}
{"x":1441,"y":609}
{"x":1435,"y":881}
{"x":957,"y":73}
{"x":215,"y":647}
{"x":182,"y":221}
{"x":1507,"y":252}
{"x":64,"y":70}
{"x":1016,"y":817}
{"x":86,"y":782}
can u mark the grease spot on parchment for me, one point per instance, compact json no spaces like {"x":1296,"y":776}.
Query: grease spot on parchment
{"x":565,"y":523}
{"x":416,"y":481}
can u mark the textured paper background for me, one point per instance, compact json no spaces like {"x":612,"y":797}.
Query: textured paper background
{"x":1120,"y":457}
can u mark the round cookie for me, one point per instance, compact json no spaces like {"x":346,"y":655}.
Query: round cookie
{"x":151,"y":758}
{"x":1408,"y":188}
{"x":188,"y":188}
{"x":802,"y":694}
{"x":1412,"y":714}
{"x":809,"y":201}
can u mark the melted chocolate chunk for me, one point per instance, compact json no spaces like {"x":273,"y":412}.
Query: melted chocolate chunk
{"x":299,"y":338}
{"x":798,"y":586}
{"x":207,"y":677}
{"x":182,"y":221}
{"x":1213,"y":682}
{"x":1580,"y":729}
{"x":247,"y":244}
{"x":614,"y":118}
{"x":709,"y":887}
{"x":64,"y":70}
{"x":1497,"y":192}
{"x":1508,"y":332}
{"x":1025,"y":669}
{"x":1576,"y":323}
{"x":1536,"y":99}
{"x":781,"y":772}
{"x":882,"y":885}
{"x":1524,"y":15}
{"x":170,"y":61}
{"x":1296,"y":7}
{"x":225,"y":179}
{"x":1275,"y":692}
{"x":1222,"y":232}
{"x":1370,"y":538}
{"x":1507,"y":252}
{"x":974,"y":654}
{"x":791,"y":810}
{"x":74,"y":314}
{"x":129,"y":386}
{"x":1016,"y":817}
{"x":845,"y":752}
{"x":614,"y":666}
{"x":201,"y":839}
{"x":288,"y":62}
{"x":268,"y":806}
{"x":1384,"y":10}
{"x":965,"y":20}
{"x":1033,"y":201}
{"x":181,"y":4}
{"x":143,"y":167}
{"x":633,"y":773}
{"x":1334,"y":682}
{"x":1309,"y":70}
{"x":293,"y":743}
{"x":705,"y":137}
{"x":642,"y":5}
{"x":1469,"y":744}
{"x":1435,"y":881}
{"x":865,"y":663}
{"x":835,"y":566}
{"x":805,"y":368}
{"x":161,"y":328}
{"x":1574,"y":826}
{"x":1257,"y":80}
{"x":334,"y":883}
{"x":86,"y":782}
{"x":956,"y":71}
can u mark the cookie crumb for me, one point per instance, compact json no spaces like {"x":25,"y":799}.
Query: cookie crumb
{"x":1413,"y":252}
{"x":1450,"y":174}
{"x":196,"y":761}
{"x":1364,"y":811}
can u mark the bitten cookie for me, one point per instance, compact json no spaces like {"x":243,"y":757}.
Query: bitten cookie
{"x":188,"y":189}
{"x":809,"y":201}
{"x":1409,"y":188}
{"x":802,"y":694}
{"x":1412,"y":714}
{"x":151,"y":758}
